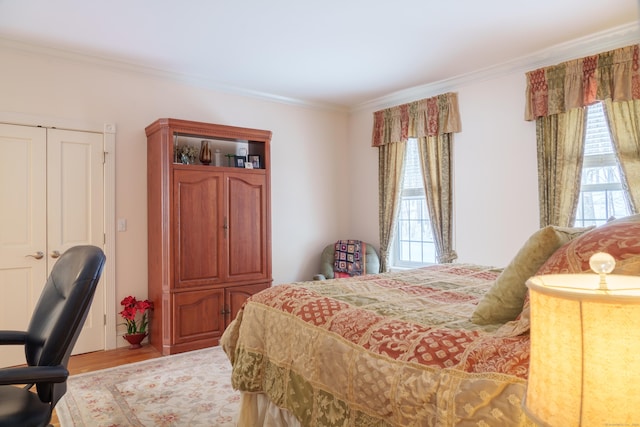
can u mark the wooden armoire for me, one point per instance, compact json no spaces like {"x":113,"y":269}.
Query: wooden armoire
{"x":209,"y":228}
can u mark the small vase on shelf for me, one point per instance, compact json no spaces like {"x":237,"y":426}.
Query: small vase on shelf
{"x":205,"y":153}
{"x":134,"y":340}
{"x":218,"y":158}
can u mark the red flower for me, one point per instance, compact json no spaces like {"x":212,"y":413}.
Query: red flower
{"x":129,"y":301}
{"x":129,"y":313}
{"x":131,"y":308}
{"x":144,"y":305}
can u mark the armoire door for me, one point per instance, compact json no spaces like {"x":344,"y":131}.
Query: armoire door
{"x":247,"y":243}
{"x":198,"y":227}
{"x":51,"y":198}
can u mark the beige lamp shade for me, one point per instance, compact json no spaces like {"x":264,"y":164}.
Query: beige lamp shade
{"x":585,"y":351}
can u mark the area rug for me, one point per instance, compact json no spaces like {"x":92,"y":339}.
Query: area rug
{"x":188,"y":389}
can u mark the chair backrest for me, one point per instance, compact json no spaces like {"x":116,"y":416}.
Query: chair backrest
{"x":61,"y":311}
{"x":327,"y":260}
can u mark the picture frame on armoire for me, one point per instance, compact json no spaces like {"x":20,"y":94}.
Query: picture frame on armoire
{"x":254,"y":159}
{"x":239,"y":161}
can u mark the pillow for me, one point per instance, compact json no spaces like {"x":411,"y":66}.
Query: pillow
{"x":504,"y":301}
{"x":620,"y":238}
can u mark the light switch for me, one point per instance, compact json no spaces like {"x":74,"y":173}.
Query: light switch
{"x":122,"y":224}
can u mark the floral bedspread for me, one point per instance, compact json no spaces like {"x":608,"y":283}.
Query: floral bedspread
{"x":393,"y":349}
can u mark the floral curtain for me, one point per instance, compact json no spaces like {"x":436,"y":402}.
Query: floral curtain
{"x":557,"y":89}
{"x":435,"y":161}
{"x":390,"y":165}
{"x":418,"y":119}
{"x":556,"y":97}
{"x":429,"y":120}
{"x":624,"y":123}
{"x":560,"y":154}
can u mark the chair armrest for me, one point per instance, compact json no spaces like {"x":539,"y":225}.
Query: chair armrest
{"x":12,"y":337}
{"x":33,"y":374}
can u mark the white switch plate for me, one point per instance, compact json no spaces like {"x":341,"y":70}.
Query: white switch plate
{"x":122,"y":224}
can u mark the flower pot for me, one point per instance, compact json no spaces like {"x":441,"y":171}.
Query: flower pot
{"x":134,"y":340}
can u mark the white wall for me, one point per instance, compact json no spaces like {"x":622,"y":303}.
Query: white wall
{"x":306,"y":149}
{"x":495,"y":175}
{"x":496,"y":184}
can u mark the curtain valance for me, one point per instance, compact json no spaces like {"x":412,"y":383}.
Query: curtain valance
{"x":574,"y":84}
{"x":427,"y":117}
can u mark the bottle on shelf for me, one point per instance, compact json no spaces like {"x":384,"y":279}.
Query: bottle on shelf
{"x":217,"y":158}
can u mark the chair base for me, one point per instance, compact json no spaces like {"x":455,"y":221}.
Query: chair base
{"x":21,"y":407}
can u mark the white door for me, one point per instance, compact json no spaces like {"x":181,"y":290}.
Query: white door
{"x":23,"y":229}
{"x":75,"y":211}
{"x":51,"y":198}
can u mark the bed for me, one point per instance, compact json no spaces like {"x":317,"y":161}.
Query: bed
{"x":442,"y":345}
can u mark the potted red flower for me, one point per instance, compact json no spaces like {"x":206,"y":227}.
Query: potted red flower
{"x":134,"y":309}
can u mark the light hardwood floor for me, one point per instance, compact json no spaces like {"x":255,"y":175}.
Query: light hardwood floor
{"x":106,"y":359}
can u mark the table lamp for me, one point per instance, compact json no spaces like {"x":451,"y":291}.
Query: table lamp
{"x":585,"y":348}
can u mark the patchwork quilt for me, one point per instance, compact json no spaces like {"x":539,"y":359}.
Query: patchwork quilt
{"x":349,"y":258}
{"x":391,"y":349}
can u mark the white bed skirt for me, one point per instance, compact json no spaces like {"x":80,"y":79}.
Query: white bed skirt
{"x":257,"y":410}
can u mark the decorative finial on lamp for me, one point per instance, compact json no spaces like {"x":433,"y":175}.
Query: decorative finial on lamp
{"x":602,"y":263}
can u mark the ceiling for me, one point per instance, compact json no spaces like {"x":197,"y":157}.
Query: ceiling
{"x":333,"y":52}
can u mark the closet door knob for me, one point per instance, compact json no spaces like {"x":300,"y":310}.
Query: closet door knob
{"x":37,"y":255}
{"x":55,"y":254}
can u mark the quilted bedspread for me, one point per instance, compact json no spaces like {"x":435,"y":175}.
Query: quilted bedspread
{"x":392,"y":349}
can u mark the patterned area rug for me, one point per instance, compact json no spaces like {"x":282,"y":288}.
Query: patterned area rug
{"x":188,"y":389}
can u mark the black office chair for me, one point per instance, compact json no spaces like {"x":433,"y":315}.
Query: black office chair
{"x":53,"y":330}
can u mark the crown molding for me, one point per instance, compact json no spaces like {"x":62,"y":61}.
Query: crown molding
{"x":592,"y":44}
{"x":193,"y":80}
{"x":599,"y":42}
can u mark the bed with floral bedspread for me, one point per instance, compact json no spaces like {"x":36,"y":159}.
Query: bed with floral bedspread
{"x":445,"y":345}
{"x":393,"y":349}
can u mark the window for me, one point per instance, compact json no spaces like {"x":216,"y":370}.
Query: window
{"x":413,"y":245}
{"x":601,"y":192}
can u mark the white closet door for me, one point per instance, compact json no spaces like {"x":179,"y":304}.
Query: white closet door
{"x":23,"y":232}
{"x":51,"y":198}
{"x":75,"y":211}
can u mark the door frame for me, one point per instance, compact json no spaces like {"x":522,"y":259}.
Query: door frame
{"x":109,"y":135}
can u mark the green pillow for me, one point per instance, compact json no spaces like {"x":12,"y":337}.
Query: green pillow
{"x":504,"y":301}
